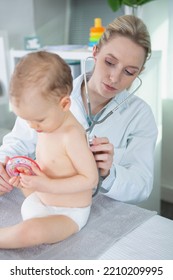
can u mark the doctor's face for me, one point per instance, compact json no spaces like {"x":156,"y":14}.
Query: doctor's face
{"x":117,"y":64}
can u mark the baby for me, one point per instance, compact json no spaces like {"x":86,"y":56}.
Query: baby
{"x":59,"y":195}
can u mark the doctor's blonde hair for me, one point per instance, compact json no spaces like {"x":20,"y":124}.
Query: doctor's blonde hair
{"x":131,"y":27}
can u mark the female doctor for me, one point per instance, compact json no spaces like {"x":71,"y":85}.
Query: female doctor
{"x":123,"y":145}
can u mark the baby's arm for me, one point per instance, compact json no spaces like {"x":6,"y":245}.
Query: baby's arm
{"x":79,"y":154}
{"x":83,"y":161}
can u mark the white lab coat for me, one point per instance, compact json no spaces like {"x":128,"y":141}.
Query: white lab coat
{"x":131,"y":129}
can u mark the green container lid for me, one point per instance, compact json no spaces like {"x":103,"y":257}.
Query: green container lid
{"x":72,"y":62}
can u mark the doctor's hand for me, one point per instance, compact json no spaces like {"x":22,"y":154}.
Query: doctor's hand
{"x":4,"y":179}
{"x":103,"y":152}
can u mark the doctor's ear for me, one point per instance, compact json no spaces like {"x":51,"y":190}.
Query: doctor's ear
{"x":65,"y":103}
{"x":142,"y":69}
{"x":95,"y":51}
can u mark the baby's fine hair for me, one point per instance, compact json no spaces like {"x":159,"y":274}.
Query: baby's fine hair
{"x":131,"y":27}
{"x":44,"y":71}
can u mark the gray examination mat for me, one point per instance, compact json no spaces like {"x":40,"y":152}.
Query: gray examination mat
{"x":109,"y":221}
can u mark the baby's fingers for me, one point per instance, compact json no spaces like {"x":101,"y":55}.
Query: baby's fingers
{"x":36,"y":170}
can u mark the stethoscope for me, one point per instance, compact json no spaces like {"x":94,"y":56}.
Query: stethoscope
{"x":96,"y":120}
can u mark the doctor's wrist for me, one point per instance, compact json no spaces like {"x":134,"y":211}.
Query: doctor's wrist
{"x":104,"y":176}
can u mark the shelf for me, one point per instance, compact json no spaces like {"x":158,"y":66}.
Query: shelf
{"x":76,"y":54}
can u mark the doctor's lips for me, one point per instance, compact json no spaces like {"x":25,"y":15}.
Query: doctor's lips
{"x":110,"y":88}
{"x":39,"y":131}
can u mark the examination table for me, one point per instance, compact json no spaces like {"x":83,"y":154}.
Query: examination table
{"x":115,"y":230}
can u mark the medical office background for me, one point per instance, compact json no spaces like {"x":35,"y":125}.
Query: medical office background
{"x":64,"y":22}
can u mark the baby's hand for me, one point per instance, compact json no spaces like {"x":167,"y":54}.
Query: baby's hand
{"x":37,"y":182}
{"x":37,"y":171}
{"x":23,"y":170}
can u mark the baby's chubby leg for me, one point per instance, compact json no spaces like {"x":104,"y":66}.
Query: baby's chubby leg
{"x":37,"y":231}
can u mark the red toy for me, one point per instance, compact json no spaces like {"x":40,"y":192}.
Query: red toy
{"x":20,"y":164}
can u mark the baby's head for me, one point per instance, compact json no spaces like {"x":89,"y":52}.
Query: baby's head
{"x":40,"y":73}
{"x":40,"y":90}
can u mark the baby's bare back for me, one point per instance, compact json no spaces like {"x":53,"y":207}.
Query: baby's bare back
{"x":54,"y":161}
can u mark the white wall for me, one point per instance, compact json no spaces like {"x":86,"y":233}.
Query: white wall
{"x":22,"y":18}
{"x":155,"y":15}
{"x":170,"y":52}
{"x":167,"y":146}
{"x":45,"y":18}
{"x":162,"y":36}
{"x":82,"y":18}
{"x":167,"y":151}
{"x":51,"y":21}
{"x":16,"y":18}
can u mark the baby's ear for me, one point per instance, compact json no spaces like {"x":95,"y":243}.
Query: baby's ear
{"x":65,"y":103}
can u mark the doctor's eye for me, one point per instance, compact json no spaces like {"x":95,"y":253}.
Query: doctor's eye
{"x":109,"y":62}
{"x":128,"y":73}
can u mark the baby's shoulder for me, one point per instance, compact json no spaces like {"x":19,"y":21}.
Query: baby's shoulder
{"x":74,"y":132}
{"x":75,"y":129}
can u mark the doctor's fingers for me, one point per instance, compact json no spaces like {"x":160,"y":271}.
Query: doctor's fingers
{"x":100,"y":140}
{"x":3,"y":173}
{"x":5,"y":186}
{"x":104,"y":158}
{"x":104,"y":164}
{"x":104,"y":148}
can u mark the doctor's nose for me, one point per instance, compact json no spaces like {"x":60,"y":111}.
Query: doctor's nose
{"x":115,"y":76}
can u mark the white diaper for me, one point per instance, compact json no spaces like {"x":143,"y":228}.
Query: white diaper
{"x":32,"y":207}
